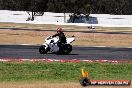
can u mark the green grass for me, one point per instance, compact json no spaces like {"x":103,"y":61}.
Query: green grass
{"x":56,"y":71}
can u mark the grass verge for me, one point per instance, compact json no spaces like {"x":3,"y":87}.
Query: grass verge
{"x":13,"y":33}
{"x":65,"y":27}
{"x":62,"y":72}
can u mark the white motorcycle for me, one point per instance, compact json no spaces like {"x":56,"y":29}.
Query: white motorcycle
{"x":50,"y":45}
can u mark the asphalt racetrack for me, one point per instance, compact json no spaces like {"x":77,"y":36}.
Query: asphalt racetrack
{"x":87,"y":53}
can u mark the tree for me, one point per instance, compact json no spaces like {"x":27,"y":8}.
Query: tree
{"x":37,"y":8}
{"x":70,"y":6}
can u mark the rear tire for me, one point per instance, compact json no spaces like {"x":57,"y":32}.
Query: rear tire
{"x":65,"y":49}
{"x":42,"y":49}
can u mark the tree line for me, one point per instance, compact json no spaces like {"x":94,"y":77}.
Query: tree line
{"x":72,"y":6}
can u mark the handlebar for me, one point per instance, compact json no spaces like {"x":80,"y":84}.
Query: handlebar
{"x":49,"y":37}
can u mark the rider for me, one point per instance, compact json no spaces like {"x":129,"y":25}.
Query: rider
{"x":61,"y":35}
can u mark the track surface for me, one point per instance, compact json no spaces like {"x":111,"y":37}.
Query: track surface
{"x":31,"y":52}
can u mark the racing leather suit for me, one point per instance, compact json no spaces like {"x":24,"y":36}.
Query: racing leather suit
{"x":62,"y":38}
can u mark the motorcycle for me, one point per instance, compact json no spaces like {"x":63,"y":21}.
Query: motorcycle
{"x":50,"y":45}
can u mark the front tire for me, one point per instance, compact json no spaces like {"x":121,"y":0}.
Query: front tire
{"x":42,"y":49}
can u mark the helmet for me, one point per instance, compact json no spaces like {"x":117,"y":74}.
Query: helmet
{"x":59,"y":30}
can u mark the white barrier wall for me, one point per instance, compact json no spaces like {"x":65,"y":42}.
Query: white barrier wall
{"x":106,"y":20}
{"x":114,"y":20}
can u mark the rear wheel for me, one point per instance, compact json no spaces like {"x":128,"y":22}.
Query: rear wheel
{"x":66,"y":49}
{"x":42,"y":49}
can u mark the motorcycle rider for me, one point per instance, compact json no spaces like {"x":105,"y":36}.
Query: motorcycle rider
{"x":61,"y":35}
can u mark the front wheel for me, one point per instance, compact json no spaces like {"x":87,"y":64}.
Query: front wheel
{"x":42,"y":49}
{"x":66,"y":49}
